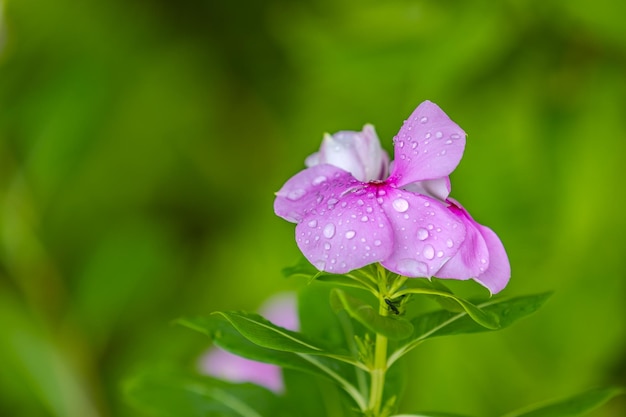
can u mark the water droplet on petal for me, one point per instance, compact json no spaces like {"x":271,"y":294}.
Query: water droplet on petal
{"x":429,"y":252}
{"x":319,"y":180}
{"x":320,"y":265}
{"x":400,"y":205}
{"x":332,"y":201}
{"x":329,"y":230}
{"x":296,"y":194}
{"x":412,"y":268}
{"x":327,"y":246}
{"x":350,"y":234}
{"x":438,"y":135}
{"x":454,"y":136}
{"x":424,"y":120}
{"x":427,"y":135}
{"x":401,"y":144}
{"x":449,"y":243}
{"x":377,"y":242}
{"x":422,"y":234}
{"x":414,"y":145}
{"x":360,"y":202}
{"x":440,"y":254}
{"x":364,"y":218}
{"x":312,"y":223}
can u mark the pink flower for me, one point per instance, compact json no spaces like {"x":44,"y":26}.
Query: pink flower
{"x":280,"y":310}
{"x":348,"y":216}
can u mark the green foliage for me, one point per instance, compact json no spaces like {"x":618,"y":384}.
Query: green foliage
{"x":141,"y":143}
{"x":175,"y":395}
{"x":577,"y":405}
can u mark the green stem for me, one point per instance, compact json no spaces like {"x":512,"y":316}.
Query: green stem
{"x":380,"y":353}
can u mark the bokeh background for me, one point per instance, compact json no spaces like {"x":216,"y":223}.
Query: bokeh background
{"x":141,"y":143}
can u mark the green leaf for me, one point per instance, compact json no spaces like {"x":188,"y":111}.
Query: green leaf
{"x":429,"y":414}
{"x":302,"y":268}
{"x":507,"y":312}
{"x":484,"y":318}
{"x":360,"y":278}
{"x":574,"y":406}
{"x":229,"y":338}
{"x":175,"y":395}
{"x":393,"y":327}
{"x":277,"y":346}
{"x":266,"y":334}
{"x":443,"y":322}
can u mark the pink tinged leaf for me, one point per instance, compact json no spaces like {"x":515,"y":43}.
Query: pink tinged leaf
{"x":481,"y":256}
{"x":426,"y":233}
{"x":310,"y":189}
{"x":230,"y":367}
{"x":428,"y":146}
{"x":346,"y":233}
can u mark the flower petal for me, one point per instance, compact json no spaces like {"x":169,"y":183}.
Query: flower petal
{"x":428,"y":146}
{"x":230,"y":367}
{"x":359,"y":153}
{"x":309,"y":188}
{"x":438,"y":188}
{"x":348,"y":234}
{"x":426,"y":233}
{"x":481,"y":256}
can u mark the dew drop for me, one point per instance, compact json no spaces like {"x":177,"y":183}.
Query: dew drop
{"x":350,"y":234}
{"x":320,"y":265}
{"x":401,"y":144}
{"x":327,"y":246}
{"x":427,"y":135}
{"x":369,"y":209}
{"x":414,"y":145}
{"x":312,"y":223}
{"x":360,"y":202}
{"x":412,"y":268}
{"x":296,"y":194}
{"x":382,"y":192}
{"x":332,"y":201}
{"x":424,"y":120}
{"x":438,"y":135}
{"x":364,"y":218}
{"x":440,"y":254}
{"x":319,"y":180}
{"x":429,"y":252}
{"x":454,"y":136}
{"x":377,"y":242}
{"x":422,"y":234}
{"x":448,"y":142}
{"x":329,"y":230}
{"x":400,"y":205}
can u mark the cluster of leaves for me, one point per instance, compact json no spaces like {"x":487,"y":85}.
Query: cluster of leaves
{"x":326,"y":364}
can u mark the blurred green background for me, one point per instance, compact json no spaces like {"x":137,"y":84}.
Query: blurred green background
{"x":141,"y":143}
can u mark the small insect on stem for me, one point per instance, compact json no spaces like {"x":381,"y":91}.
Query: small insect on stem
{"x":392,"y":306}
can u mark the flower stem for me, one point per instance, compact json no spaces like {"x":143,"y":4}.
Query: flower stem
{"x":380,"y":352}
